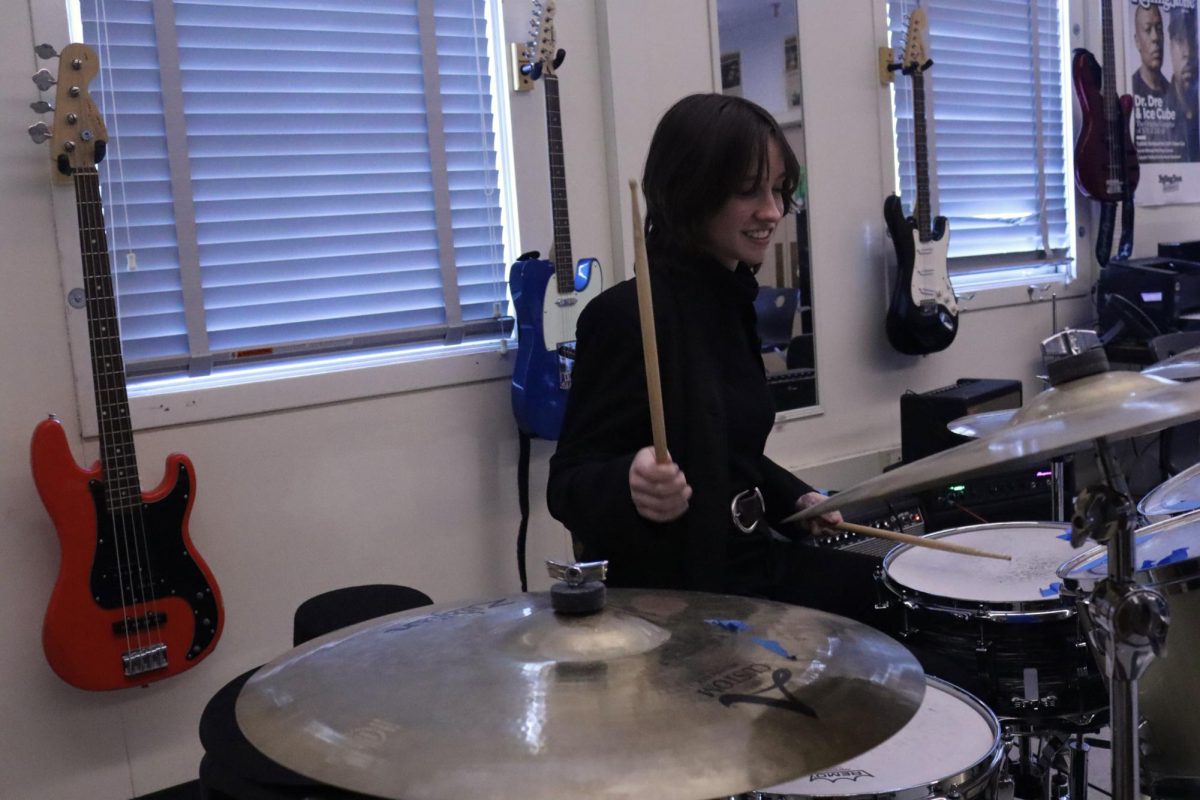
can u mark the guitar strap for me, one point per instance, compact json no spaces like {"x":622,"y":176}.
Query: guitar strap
{"x":1125,"y":248}
{"x":1104,"y":236}
{"x":523,"y":502}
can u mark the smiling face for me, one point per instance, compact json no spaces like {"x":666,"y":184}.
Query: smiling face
{"x":741,"y":228}
{"x":1148,"y":36}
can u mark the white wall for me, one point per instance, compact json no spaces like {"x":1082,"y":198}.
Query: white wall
{"x":420,"y":488}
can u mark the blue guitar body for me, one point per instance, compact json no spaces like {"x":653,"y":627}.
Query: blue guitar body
{"x":546,"y":320}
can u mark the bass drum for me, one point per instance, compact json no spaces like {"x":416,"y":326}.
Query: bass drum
{"x":952,"y":747}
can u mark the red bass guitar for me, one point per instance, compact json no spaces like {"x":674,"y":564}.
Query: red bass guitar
{"x":1106,"y":160}
{"x":133,"y":602}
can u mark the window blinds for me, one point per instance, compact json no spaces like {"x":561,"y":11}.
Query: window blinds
{"x":297,"y":176}
{"x":998,"y":167}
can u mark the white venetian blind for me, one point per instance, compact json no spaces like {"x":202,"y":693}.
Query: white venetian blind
{"x":298,"y":176}
{"x":996,"y":101}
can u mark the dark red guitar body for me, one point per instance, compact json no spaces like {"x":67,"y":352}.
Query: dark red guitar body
{"x":1092,"y":159}
{"x":88,"y":629}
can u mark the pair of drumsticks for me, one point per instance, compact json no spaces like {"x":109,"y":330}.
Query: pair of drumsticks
{"x":654,"y":390}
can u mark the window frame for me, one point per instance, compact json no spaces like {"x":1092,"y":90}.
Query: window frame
{"x":299,"y":382}
{"x":1016,"y":288}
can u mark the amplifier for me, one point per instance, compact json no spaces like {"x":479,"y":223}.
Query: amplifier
{"x":1014,"y":495}
{"x":793,"y":388}
{"x":836,"y":572}
{"x":923,"y":417}
{"x":1188,"y":251}
{"x":903,"y":515}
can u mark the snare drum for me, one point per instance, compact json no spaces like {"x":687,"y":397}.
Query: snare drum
{"x":1167,"y":558}
{"x":999,"y":629}
{"x":951,"y":748}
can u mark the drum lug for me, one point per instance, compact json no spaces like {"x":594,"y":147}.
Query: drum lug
{"x":1005,"y":788}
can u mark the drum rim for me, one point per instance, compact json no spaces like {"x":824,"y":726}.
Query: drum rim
{"x":1174,"y":578}
{"x":965,"y":781}
{"x":1018,"y":611}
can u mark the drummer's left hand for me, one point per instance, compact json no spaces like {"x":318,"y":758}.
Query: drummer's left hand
{"x":821,"y":523}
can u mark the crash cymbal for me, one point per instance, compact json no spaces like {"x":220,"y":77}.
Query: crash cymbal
{"x":1063,"y":419}
{"x":1177,"y":494}
{"x":1183,"y":366}
{"x":661,"y":694}
{"x":975,"y":425}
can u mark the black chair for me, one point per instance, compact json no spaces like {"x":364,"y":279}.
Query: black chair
{"x":776,"y":311}
{"x":339,"y":608}
{"x":234,"y":769}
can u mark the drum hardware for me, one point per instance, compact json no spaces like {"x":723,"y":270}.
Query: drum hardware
{"x":646,"y":695}
{"x":1127,"y":622}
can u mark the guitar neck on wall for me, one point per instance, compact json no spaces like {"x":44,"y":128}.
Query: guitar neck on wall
{"x":923,"y":313}
{"x":546,"y":314}
{"x":133,"y":602}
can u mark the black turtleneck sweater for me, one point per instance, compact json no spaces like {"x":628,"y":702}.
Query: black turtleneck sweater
{"x":718,"y":414}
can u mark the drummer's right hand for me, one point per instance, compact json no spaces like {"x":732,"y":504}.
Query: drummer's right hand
{"x":660,"y":492}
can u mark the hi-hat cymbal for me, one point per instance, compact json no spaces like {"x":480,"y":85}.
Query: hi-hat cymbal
{"x":1059,"y":420}
{"x":1183,"y":366}
{"x":661,"y":694}
{"x":1174,"y":496}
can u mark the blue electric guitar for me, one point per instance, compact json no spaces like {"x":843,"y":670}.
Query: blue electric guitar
{"x":547,"y":311}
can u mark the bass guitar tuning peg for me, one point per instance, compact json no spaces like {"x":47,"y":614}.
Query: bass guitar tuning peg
{"x":41,"y":107}
{"x":39,"y":132}
{"x":45,"y":51}
{"x":43,"y":79}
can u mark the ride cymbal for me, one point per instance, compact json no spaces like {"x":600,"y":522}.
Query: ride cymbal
{"x":1059,"y":420}
{"x":661,"y":694}
{"x":1183,"y":366}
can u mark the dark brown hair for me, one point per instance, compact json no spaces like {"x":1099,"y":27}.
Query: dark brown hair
{"x":702,"y":151}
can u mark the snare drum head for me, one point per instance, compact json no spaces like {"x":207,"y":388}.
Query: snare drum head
{"x":1037,"y":550}
{"x":1166,"y":555}
{"x":952,"y":734}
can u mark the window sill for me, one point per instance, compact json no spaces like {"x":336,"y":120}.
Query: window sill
{"x":157,"y":403}
{"x":1017,"y":291}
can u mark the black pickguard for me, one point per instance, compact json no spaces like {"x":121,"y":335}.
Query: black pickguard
{"x":142,"y":552}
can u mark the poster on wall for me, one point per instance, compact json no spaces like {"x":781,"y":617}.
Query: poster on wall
{"x":1161,"y":59}
{"x":731,"y":74}
{"x":791,"y":72}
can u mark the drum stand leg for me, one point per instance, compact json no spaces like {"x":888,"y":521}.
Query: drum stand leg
{"x":1079,"y":768}
{"x":1128,"y":622}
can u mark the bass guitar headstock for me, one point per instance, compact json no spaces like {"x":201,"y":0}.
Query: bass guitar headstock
{"x":541,"y":50}
{"x":77,"y":137}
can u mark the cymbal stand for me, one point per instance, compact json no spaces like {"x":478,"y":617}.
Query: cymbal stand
{"x":1126,"y":623}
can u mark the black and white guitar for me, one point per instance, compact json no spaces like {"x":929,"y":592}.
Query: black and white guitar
{"x":923,"y":313}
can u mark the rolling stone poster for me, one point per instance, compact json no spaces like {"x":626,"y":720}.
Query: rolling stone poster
{"x":1161,"y":59}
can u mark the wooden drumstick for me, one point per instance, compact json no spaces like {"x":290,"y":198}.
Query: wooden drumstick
{"x":919,"y":541}
{"x":641,"y":269}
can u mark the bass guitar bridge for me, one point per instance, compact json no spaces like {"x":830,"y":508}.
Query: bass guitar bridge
{"x":144,"y":659}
